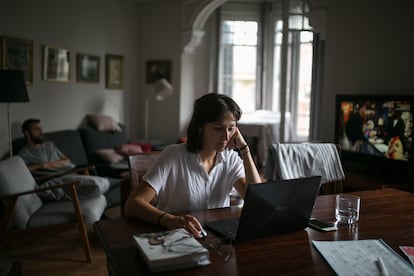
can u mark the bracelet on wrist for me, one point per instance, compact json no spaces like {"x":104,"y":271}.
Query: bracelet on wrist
{"x":160,"y":217}
{"x":243,"y":150}
{"x":244,"y":153}
{"x":243,"y":147}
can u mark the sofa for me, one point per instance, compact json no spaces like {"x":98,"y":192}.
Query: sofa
{"x":81,"y":147}
{"x":95,"y":142}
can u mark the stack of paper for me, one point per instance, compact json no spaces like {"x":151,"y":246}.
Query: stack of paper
{"x":360,"y":257}
{"x":171,"y":250}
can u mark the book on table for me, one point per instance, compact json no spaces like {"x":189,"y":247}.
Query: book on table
{"x":171,"y":250}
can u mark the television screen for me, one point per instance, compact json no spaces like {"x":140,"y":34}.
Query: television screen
{"x":375,"y":126}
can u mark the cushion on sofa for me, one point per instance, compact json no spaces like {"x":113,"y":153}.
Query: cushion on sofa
{"x":103,"y":122}
{"x":111,"y":156}
{"x":94,"y":140}
{"x":129,"y":149}
{"x":92,"y":209}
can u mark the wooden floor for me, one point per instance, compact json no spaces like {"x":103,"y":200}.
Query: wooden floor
{"x":59,"y":254}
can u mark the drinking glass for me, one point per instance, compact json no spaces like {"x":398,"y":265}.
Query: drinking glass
{"x":347,"y":208}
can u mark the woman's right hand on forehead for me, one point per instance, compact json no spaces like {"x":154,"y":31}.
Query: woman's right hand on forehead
{"x":237,"y":140}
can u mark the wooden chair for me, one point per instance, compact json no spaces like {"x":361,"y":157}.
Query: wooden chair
{"x":138,"y":166}
{"x":27,"y":215}
{"x":293,"y":160}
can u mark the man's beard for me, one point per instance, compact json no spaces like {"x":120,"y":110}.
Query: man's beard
{"x":38,"y":140}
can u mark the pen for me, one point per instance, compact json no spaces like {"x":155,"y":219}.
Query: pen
{"x":382,"y":267}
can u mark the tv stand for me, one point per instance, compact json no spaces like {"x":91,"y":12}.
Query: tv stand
{"x":359,"y":177}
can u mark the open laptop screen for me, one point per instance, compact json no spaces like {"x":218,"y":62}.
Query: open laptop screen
{"x":273,"y":207}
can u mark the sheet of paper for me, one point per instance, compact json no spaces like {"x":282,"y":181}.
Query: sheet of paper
{"x":359,"y":257}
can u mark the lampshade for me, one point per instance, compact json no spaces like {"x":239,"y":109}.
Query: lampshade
{"x":12,"y":87}
{"x":162,"y":89}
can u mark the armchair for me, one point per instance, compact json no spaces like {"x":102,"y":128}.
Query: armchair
{"x":27,"y":215}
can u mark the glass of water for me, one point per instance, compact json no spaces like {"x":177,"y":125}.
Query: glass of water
{"x":347,"y":208}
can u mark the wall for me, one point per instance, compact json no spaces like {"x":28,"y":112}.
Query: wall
{"x":164,"y":31}
{"x":369,"y":50}
{"x":94,"y":27}
{"x":160,"y":39}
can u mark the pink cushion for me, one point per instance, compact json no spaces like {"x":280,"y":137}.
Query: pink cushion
{"x":109,"y":155}
{"x":103,"y":122}
{"x":129,"y":149}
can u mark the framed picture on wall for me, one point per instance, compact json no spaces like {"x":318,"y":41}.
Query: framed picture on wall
{"x":87,"y":68}
{"x":114,"y":71}
{"x":17,"y":54}
{"x":157,"y":69}
{"x":56,"y":64}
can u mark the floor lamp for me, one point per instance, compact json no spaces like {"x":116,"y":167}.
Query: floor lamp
{"x":161,"y":89}
{"x":12,"y":90}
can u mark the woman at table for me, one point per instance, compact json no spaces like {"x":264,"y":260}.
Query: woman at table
{"x":200,"y":174}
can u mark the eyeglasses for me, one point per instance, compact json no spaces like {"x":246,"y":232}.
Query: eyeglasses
{"x":178,"y":241}
{"x":223,"y":249}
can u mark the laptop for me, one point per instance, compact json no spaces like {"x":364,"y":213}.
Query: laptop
{"x":274,"y":207}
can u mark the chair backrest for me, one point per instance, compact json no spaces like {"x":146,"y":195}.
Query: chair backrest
{"x":15,"y":178}
{"x":139,"y":164}
{"x":293,"y":160}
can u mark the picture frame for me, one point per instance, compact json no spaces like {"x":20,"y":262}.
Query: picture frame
{"x":88,"y":68}
{"x":17,"y":54}
{"x":114,"y":71}
{"x":56,"y":64}
{"x":157,"y":69}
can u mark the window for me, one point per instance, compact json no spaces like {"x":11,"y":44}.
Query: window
{"x":264,"y":64}
{"x":239,"y":60}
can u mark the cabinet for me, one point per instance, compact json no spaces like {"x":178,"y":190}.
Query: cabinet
{"x":370,"y":179}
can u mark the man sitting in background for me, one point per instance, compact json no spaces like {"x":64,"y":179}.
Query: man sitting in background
{"x":40,"y":154}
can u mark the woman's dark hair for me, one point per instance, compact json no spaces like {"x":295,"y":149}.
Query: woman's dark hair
{"x":208,"y":108}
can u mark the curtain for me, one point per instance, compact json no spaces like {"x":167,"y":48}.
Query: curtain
{"x":317,"y":86}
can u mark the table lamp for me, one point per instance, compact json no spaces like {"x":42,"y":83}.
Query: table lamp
{"x":161,"y":89}
{"x":12,"y":90}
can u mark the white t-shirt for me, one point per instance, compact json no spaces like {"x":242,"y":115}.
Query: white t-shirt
{"x":182,"y":184}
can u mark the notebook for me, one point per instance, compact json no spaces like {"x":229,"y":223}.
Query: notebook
{"x":270,"y":208}
{"x":171,"y":250}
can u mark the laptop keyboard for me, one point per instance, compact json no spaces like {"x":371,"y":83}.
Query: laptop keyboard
{"x":229,"y":229}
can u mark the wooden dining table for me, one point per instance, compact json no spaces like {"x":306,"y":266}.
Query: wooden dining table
{"x":386,"y":214}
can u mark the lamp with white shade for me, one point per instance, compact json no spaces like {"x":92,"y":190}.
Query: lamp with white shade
{"x":12,"y":90}
{"x":161,"y":89}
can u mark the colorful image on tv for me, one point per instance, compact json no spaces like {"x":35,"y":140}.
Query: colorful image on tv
{"x":377,"y":127}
